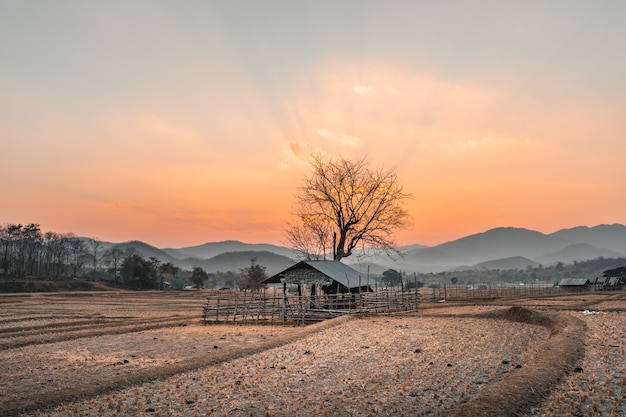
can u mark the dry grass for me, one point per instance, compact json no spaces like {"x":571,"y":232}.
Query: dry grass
{"x":598,"y":387}
{"x":449,"y":359}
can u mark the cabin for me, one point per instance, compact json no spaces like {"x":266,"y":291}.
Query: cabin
{"x":574,"y":284}
{"x":325,"y":289}
{"x":608,"y":283}
{"x":333,"y":277}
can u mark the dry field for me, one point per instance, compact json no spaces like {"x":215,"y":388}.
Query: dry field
{"x":148,"y":354}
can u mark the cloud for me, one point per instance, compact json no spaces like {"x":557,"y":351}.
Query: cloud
{"x":295,"y":153}
{"x":342,"y":139}
{"x":299,"y":148}
{"x":363,"y":90}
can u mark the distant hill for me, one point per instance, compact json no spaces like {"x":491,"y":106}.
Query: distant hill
{"x":146,"y":250}
{"x":611,"y":237}
{"x":431,"y":256}
{"x":576,"y":252}
{"x":228,"y":261}
{"x":234,"y":261}
{"x":514,"y":262}
{"x":211,"y":249}
{"x":567,"y":245}
{"x":502,"y":242}
{"x":495,"y":248}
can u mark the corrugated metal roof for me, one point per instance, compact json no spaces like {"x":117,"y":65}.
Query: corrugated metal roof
{"x":602,"y":280}
{"x":570,"y":282}
{"x":615,"y":281}
{"x":339,"y":272}
{"x":335,"y":270}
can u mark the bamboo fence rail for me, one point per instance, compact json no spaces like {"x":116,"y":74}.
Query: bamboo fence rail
{"x":491,"y":291}
{"x":276,"y":307}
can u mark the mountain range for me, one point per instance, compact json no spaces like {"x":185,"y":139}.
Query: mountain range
{"x":499,"y":248}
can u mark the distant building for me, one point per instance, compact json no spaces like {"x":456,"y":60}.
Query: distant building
{"x":608,"y":283}
{"x":574,"y":284}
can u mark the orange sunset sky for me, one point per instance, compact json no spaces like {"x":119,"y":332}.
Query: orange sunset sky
{"x":180,"y":123}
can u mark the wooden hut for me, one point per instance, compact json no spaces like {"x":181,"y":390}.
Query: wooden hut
{"x":333,"y":277}
{"x":574,"y":284}
{"x":608,"y":283}
{"x":332,"y":289}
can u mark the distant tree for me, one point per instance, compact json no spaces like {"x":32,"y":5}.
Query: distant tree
{"x":156,"y":265}
{"x":619,"y":272}
{"x":454,"y":280}
{"x":211,"y":281}
{"x":230,"y":279}
{"x":137,"y":272}
{"x":167,"y":272}
{"x":253,"y":276}
{"x":392,"y":278}
{"x":346,"y":205}
{"x":94,"y":244}
{"x":198,"y":276}
{"x":10,"y":235}
{"x":28,"y":246}
{"x":113,"y":258}
{"x":78,"y":252}
{"x":412,"y":284}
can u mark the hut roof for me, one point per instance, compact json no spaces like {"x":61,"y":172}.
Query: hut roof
{"x":334,"y":270}
{"x":573,"y":282}
{"x":602,"y":280}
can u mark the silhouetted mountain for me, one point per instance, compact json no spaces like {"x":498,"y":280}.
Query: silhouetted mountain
{"x":576,"y":252}
{"x":502,"y":242}
{"x":146,"y":251}
{"x":611,"y":237}
{"x":211,"y":249}
{"x":494,"y":248}
{"x":235,"y":261}
{"x":430,"y":256}
{"x":515,"y":262}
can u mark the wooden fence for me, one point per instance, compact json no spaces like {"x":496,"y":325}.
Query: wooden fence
{"x":277,"y":307}
{"x":490,"y":291}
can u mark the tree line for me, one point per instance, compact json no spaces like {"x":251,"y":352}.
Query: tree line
{"x":544,"y":274}
{"x":29,"y":253}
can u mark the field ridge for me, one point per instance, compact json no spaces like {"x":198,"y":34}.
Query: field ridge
{"x":525,"y":389}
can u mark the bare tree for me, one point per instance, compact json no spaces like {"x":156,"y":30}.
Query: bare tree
{"x":345,"y":205}
{"x":310,"y":237}
{"x":95,"y":244}
{"x":77,"y":251}
{"x":253,"y":276}
{"x":113,"y":258}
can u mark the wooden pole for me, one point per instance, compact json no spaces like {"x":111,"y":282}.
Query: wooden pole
{"x":217,"y":309}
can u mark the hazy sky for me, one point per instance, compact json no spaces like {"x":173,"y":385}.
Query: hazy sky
{"x":179,"y":123}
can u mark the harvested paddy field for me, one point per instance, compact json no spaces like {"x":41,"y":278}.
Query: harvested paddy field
{"x":124,"y":353}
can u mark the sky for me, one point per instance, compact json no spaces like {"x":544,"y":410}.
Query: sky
{"x":180,"y":123}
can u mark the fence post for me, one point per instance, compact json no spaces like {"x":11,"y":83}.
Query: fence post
{"x":217,"y":309}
